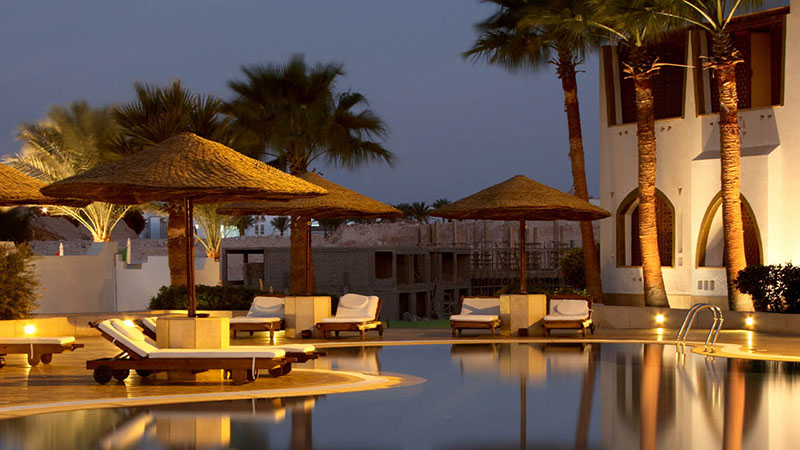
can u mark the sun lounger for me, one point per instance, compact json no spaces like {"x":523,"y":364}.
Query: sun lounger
{"x":266,"y":314}
{"x":37,"y":348}
{"x":569,"y":312}
{"x":141,"y":355}
{"x":354,"y":313}
{"x":300,"y":352}
{"x":477,"y":312}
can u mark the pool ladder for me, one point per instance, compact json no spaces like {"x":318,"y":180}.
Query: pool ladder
{"x":713,"y":333}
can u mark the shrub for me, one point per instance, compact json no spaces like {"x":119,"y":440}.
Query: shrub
{"x":17,"y":282}
{"x":573,"y":269}
{"x":774,"y":288}
{"x":208,"y":297}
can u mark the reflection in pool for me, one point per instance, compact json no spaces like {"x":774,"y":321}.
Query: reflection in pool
{"x":475,"y":396}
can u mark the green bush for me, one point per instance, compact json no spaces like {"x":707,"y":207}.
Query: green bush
{"x":208,"y":297}
{"x":535,"y":288}
{"x":774,"y":288}
{"x":17,"y":282}
{"x":573,"y":268}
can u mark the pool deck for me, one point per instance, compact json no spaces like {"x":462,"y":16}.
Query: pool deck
{"x":66,"y":384}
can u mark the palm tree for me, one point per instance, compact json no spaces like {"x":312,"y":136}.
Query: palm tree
{"x":527,"y":34}
{"x":406,"y":209}
{"x":634,"y":24}
{"x":242,"y":223}
{"x":67,"y":142}
{"x":157,"y":114}
{"x":296,"y":112}
{"x":214,"y":227}
{"x":420,"y":211}
{"x":715,"y":16}
{"x":280,"y":223}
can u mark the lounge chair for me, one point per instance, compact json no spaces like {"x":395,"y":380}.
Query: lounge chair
{"x":266,"y":314}
{"x":38,"y":349}
{"x":145,"y":358}
{"x":568,"y":312}
{"x":300,"y":352}
{"x":477,"y":312}
{"x":354,"y":313}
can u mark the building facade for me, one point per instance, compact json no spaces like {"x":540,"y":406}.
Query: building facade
{"x":688,"y":174}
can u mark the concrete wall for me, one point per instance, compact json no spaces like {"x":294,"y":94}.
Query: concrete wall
{"x":101,"y":282}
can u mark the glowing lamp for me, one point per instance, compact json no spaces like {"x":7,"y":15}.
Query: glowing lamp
{"x":128,"y":322}
{"x":659,"y":318}
{"x":749,"y":321}
{"x":44,"y":210}
{"x":29,"y":329}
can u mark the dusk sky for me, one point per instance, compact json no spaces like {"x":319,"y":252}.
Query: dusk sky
{"x":455,"y":126}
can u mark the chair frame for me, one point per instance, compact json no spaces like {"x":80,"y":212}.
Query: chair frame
{"x":458,"y":325}
{"x":36,"y":352}
{"x":361,"y":327}
{"x":569,"y":324}
{"x":241,"y":369}
{"x":145,"y":330}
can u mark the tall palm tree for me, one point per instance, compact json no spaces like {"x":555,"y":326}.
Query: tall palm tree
{"x":157,"y":114}
{"x":280,"y":223}
{"x":420,"y":211}
{"x":242,"y":223}
{"x":296,"y":112}
{"x":67,"y":142}
{"x":527,"y":34}
{"x":715,"y":16}
{"x":634,"y":24}
{"x":406,"y":209}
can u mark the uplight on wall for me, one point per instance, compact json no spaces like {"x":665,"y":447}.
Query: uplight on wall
{"x":29,"y":329}
{"x":749,"y":321}
{"x":659,"y":318}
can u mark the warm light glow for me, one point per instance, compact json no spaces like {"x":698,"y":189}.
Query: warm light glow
{"x":44,"y":210}
{"x":749,"y":321}
{"x":128,"y":322}
{"x":659,"y":318}
{"x":29,"y":329}
{"x":660,"y":332}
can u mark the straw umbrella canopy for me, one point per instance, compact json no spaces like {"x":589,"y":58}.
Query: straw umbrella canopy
{"x":183,"y":169}
{"x":520,"y":198}
{"x":338,"y":203}
{"x":18,"y":189}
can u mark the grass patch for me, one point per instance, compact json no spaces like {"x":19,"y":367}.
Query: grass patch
{"x":444,"y":323}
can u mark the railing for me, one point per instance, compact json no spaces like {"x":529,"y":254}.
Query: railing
{"x":713,"y":333}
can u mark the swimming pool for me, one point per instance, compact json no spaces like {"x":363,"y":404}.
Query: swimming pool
{"x":474,"y":396}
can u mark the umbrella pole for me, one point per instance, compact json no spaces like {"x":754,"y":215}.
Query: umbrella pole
{"x":189,"y":228}
{"x":523,"y":270}
{"x":308,"y":256}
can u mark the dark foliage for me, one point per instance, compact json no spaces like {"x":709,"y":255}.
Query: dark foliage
{"x":135,"y":220}
{"x":774,"y":288}
{"x":208,"y":297}
{"x":15,"y":225}
{"x":573,"y":268}
{"x":17,"y":282}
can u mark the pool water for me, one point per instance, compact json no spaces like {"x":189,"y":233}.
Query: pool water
{"x":475,"y":396}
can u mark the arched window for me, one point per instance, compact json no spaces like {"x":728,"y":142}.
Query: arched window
{"x":629,"y":251}
{"x":710,"y":243}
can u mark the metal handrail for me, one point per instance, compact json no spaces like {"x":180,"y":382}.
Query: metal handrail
{"x":713,"y":333}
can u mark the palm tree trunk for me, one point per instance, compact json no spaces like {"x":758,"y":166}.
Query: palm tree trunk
{"x":735,"y":390}
{"x":176,"y":245}
{"x":651,"y":378}
{"x":730,"y":166}
{"x":566,"y":72}
{"x":297,"y":258}
{"x":654,"y":292}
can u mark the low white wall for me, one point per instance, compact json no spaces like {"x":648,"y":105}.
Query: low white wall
{"x":101,"y":282}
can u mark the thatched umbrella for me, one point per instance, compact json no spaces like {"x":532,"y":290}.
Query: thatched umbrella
{"x":18,"y":189}
{"x":520,"y":198}
{"x":339,"y":203}
{"x":183,"y":169}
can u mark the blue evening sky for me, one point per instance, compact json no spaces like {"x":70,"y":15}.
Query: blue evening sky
{"x":455,"y":127}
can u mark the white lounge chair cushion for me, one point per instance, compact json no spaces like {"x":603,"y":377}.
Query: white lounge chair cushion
{"x":169,"y":353}
{"x":61,"y":340}
{"x":473,"y":318}
{"x":338,"y":319}
{"x":480,"y":306}
{"x":249,"y":319}
{"x":292,"y":348}
{"x":569,"y":307}
{"x":150,"y":323}
{"x":264,"y":306}
{"x":131,"y":332}
{"x":141,"y":348}
{"x":357,"y":306}
{"x":562,"y":318}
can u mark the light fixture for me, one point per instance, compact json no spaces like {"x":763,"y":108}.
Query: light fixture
{"x":128,"y":322}
{"x":44,"y":209}
{"x":749,"y":321}
{"x":29,"y":329}
{"x":659,"y":318}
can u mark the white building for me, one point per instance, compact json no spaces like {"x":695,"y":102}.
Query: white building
{"x":688,"y":176}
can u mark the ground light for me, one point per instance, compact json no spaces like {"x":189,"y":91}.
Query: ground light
{"x":659,"y":318}
{"x":29,"y":329}
{"x":749,"y":321}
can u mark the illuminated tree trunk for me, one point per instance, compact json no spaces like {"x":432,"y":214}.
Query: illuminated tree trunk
{"x":730,"y":166}
{"x":654,"y":292}
{"x":651,"y":378}
{"x":566,"y":72}
{"x":735,"y":390}
{"x":176,"y":246}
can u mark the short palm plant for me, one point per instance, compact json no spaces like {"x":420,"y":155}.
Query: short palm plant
{"x":67,"y":142}
{"x":214,"y":226}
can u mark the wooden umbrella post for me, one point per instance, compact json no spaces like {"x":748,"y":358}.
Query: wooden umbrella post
{"x":308,"y":256}
{"x":189,"y":228}
{"x":523,"y":270}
